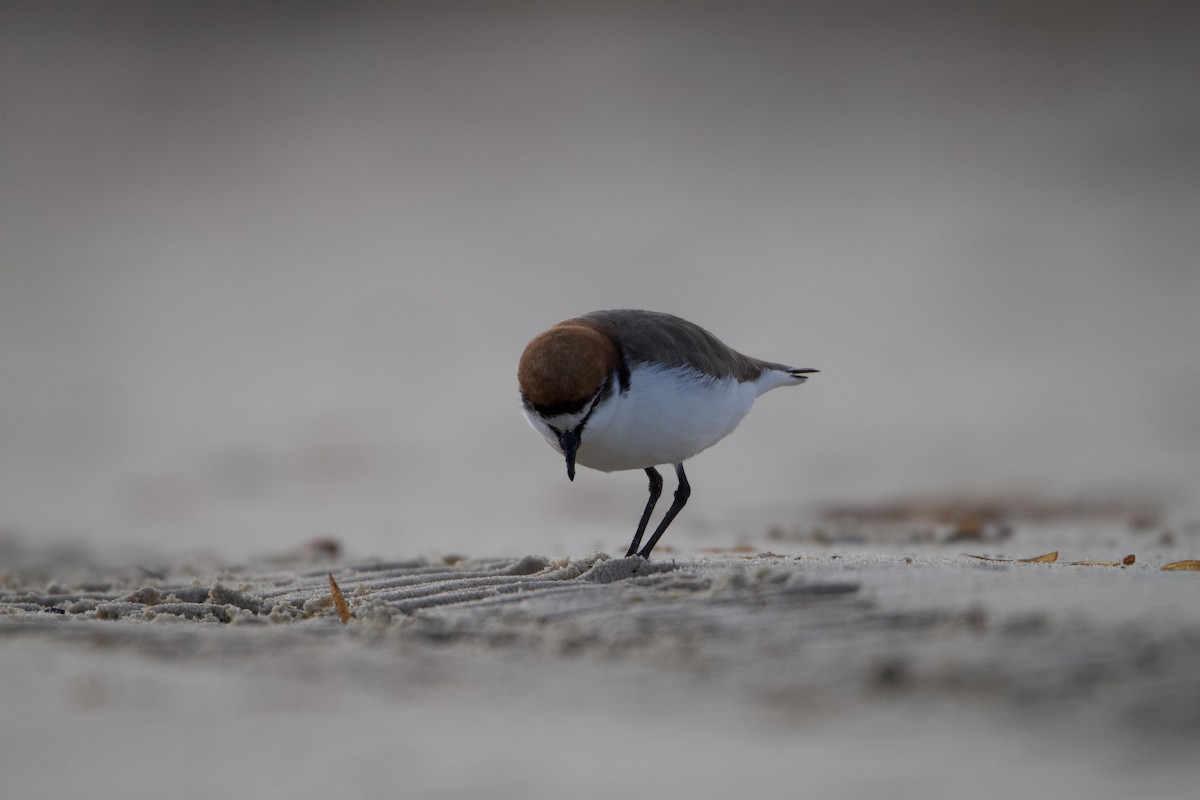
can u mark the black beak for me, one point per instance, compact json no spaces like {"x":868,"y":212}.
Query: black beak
{"x":569,"y":442}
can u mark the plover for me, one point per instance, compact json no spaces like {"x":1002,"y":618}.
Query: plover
{"x":617,"y":390}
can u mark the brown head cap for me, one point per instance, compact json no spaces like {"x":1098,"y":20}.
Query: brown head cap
{"x":562,"y":369}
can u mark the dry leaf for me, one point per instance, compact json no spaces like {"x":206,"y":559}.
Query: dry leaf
{"x":1126,"y":561}
{"x":1045,"y":558}
{"x":1191,"y":565}
{"x":343,"y":608}
{"x":1050,"y":558}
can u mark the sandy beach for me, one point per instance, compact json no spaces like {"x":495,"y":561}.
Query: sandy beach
{"x":266,"y":272}
{"x":857,"y":671}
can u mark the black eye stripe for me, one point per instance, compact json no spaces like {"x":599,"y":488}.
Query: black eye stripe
{"x":600,"y":395}
{"x":595,"y":402}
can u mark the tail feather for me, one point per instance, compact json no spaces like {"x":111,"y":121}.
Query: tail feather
{"x":774,"y":375}
{"x":801,"y":375}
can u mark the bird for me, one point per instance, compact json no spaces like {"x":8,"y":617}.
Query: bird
{"x":630,"y":389}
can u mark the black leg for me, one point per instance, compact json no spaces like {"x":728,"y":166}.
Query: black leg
{"x":681,"y":497}
{"x":655,"y":491}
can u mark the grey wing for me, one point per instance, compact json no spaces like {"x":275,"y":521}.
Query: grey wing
{"x":646,"y":336}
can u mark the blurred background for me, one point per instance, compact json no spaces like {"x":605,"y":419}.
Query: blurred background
{"x":266,"y":268}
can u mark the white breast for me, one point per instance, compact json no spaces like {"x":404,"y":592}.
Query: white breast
{"x":666,"y":416}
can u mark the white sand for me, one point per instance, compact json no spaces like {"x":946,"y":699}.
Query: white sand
{"x":844,"y":672}
{"x":265,"y":274}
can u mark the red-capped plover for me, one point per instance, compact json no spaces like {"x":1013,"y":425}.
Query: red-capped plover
{"x":615,"y":390}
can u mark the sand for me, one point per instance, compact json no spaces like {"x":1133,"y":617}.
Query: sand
{"x":880,"y":668}
{"x":266,"y":271}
